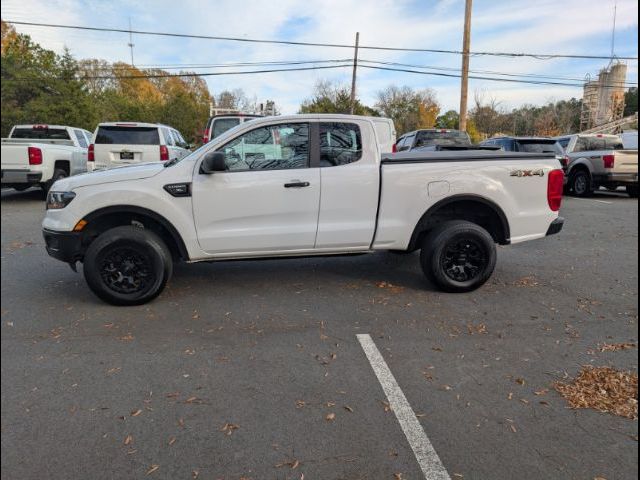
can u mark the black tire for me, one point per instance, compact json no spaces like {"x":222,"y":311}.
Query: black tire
{"x":130,"y":250}
{"x":581,"y":184}
{"x":632,"y":191}
{"x":21,"y":188}
{"x":458,"y":256}
{"x":58,"y":173}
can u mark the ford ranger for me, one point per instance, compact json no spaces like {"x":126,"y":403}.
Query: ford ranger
{"x":42,"y":154}
{"x":300,"y":185}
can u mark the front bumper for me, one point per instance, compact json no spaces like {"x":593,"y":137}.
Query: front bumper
{"x":556,"y":226}
{"x":64,"y":246}
{"x":14,"y":177}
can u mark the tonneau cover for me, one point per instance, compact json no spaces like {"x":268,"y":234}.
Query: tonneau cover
{"x":461,"y":156}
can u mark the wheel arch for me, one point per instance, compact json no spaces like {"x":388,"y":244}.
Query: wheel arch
{"x":486,"y":213}
{"x":107,"y":217}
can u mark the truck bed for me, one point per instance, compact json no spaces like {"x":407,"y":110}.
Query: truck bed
{"x":515,"y":184}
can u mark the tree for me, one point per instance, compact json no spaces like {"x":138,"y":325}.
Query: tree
{"x":331,"y":98}
{"x":631,"y":101}
{"x":450,"y":119}
{"x":409,"y":109}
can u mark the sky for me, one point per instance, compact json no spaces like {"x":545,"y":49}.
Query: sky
{"x":541,"y":26}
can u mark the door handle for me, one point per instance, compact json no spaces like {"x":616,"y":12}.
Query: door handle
{"x":296,"y":184}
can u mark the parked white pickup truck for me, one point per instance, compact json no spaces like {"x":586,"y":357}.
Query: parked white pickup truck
{"x":300,"y":185}
{"x":42,"y":154}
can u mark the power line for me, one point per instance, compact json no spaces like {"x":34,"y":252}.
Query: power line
{"x":538,"y":56}
{"x":218,"y":65}
{"x":179,"y":75}
{"x":488,"y":72}
{"x":475,"y":77}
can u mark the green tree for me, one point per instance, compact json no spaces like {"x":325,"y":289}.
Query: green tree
{"x":408,"y":108}
{"x":631,"y":101}
{"x":450,"y":119}
{"x":331,"y":98}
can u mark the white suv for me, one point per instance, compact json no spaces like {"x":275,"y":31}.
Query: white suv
{"x":122,"y":143}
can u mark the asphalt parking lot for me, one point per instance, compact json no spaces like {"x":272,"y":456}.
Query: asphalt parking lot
{"x":253,"y":370}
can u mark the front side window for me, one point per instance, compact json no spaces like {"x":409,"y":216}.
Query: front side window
{"x":82,"y":141}
{"x":273,"y":147}
{"x":564,"y":142}
{"x":340,"y":144}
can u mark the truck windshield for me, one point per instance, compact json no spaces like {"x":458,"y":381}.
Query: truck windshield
{"x":43,"y":133}
{"x":539,"y":146}
{"x":122,"y":135}
{"x":442,"y":137}
{"x":221,"y":125}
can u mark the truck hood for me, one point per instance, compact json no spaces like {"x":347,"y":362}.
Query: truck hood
{"x":130,"y":172}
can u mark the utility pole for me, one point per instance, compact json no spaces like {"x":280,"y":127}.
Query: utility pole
{"x":464,"y":85}
{"x":613,"y":31}
{"x":130,"y":44}
{"x":353,"y":78}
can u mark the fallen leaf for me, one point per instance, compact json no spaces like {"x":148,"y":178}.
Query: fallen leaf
{"x":228,"y":428}
{"x":135,"y":413}
{"x":153,"y":469}
{"x":520,"y":381}
{"x":348,"y":408}
{"x":541,"y":392}
{"x":615,"y":347}
{"x":330,"y":417}
{"x":171,"y":441}
{"x":387,"y":407}
{"x":128,"y":439}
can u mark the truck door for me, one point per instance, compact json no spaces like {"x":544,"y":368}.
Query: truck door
{"x":268,"y":198}
{"x":349,"y":173}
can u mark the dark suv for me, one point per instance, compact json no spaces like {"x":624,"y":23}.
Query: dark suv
{"x":530,"y":145}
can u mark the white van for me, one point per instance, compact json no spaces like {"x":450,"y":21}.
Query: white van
{"x":116,"y":144}
{"x":386,"y":131}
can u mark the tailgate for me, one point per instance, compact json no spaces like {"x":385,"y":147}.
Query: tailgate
{"x":15,"y":157}
{"x":626,"y":161}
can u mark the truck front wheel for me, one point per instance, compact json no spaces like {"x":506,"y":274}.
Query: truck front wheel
{"x":127,"y":266}
{"x":632,"y":191}
{"x":458,"y":256}
{"x":581,"y":184}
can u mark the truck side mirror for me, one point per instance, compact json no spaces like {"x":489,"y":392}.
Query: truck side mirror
{"x":213,"y":162}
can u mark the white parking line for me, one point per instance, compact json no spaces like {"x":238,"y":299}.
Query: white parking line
{"x":426,"y":456}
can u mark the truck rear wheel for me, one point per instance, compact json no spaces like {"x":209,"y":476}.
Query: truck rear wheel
{"x":581,"y":184}
{"x":458,"y":256}
{"x":127,"y":266}
{"x":58,"y":174}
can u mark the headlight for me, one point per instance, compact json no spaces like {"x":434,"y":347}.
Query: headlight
{"x":58,"y":200}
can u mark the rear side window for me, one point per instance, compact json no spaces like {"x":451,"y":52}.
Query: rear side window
{"x":340,"y":144}
{"x":82,"y":141}
{"x":540,"y":147}
{"x":166,"y":133}
{"x":128,"y":135}
{"x":43,"y":133}
{"x":564,"y":142}
{"x":221,"y":125}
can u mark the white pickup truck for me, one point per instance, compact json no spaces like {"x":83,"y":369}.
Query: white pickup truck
{"x":42,"y":154}
{"x":300,"y":185}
